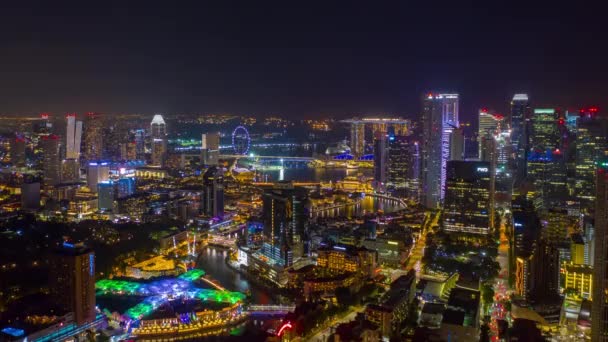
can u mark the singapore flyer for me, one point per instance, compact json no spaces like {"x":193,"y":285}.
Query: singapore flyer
{"x":240,"y":140}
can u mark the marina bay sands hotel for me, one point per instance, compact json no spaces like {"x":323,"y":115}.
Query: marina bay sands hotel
{"x":379,"y":126}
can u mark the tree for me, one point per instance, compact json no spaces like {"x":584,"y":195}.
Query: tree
{"x":344,"y":296}
{"x":487,"y":294}
{"x":484,"y":335}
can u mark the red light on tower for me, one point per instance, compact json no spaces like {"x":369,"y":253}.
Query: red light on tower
{"x":561,"y":121}
{"x":44,"y":116}
{"x":67,"y":115}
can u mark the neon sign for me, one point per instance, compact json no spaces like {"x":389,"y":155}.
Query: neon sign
{"x":285,"y":326}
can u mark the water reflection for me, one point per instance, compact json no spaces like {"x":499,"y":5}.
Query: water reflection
{"x":212,"y":261}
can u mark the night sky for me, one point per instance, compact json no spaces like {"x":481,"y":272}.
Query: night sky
{"x":297,"y":57}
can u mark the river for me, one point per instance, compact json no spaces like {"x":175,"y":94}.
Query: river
{"x":309,"y":174}
{"x":213,"y":261}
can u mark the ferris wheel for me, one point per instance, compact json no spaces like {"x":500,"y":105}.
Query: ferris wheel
{"x":240,"y":140}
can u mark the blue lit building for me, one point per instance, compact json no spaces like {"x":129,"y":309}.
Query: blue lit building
{"x":125,"y":187}
{"x":439,"y":117}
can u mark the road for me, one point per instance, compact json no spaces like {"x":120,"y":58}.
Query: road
{"x":501,"y":283}
{"x":323,"y":334}
{"x":415,"y":260}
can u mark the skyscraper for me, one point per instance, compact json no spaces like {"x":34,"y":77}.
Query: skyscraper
{"x":284,"y":214}
{"x":158,"y":135}
{"x":210,"y":148}
{"x":212,"y":197}
{"x":520,"y":114}
{"x":70,"y":171}
{"x":51,"y":163}
{"x":599,"y":311}
{"x":591,"y":142}
{"x":545,"y":133}
{"x":439,"y":118}
{"x":467,"y":205}
{"x":97,"y":172}
{"x":93,"y":137}
{"x":380,"y":159}
{"x":489,"y":126}
{"x":404,"y":166}
{"x":73,"y":137}
{"x":357,"y":139}
{"x":548,"y":174}
{"x":106,"y":193}
{"x":457,"y":144}
{"x":73,"y":281}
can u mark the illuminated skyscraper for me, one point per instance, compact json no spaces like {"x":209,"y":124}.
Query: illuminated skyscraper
{"x":545,"y":133}
{"x":73,"y":281}
{"x":97,"y":172}
{"x":285,"y":215}
{"x":520,"y":114}
{"x":599,"y":311}
{"x":51,"y":163}
{"x":158,"y":135}
{"x":93,"y":137}
{"x":490,"y":125}
{"x":404,"y":166}
{"x":212,"y":197}
{"x":210,"y":148}
{"x":380,"y":159}
{"x":548,"y":174}
{"x":591,"y":142}
{"x":467,"y":205}
{"x":357,"y":139}
{"x":457,"y":144}
{"x":439,"y":118}
{"x":73,"y":137}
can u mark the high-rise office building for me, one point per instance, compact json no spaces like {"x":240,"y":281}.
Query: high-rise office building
{"x":404,"y":166}
{"x":97,"y":172}
{"x":93,"y":136}
{"x":106,"y":195}
{"x":140,"y":144}
{"x":380,"y":159}
{"x":457,"y":147}
{"x":51,"y":162}
{"x":357,"y":139}
{"x":544,"y":130}
{"x":489,"y":125}
{"x":519,"y":122}
{"x":212,"y":197}
{"x":467,"y":205}
{"x":158,"y":136}
{"x":599,"y":311}
{"x":548,"y":174}
{"x":125,"y":187}
{"x":591,"y":142}
{"x":285,"y":214}
{"x":70,"y":171}
{"x":73,"y":281}
{"x":73,"y":137}
{"x":439,"y":118}
{"x":210,"y":150}
{"x":17,"y":146}
{"x":545,"y":273}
